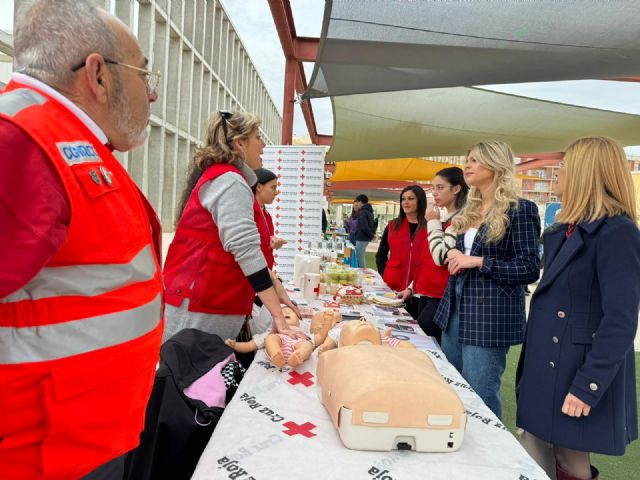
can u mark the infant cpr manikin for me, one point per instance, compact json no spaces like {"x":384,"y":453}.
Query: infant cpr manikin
{"x":385,"y":398}
{"x":282,"y":349}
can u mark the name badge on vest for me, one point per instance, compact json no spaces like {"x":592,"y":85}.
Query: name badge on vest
{"x":78,"y":152}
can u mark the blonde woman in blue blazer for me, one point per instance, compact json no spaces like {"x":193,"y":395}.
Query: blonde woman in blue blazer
{"x":576,"y":379}
{"x":482,"y":312}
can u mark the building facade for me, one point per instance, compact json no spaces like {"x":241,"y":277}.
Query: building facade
{"x":537,"y":185}
{"x":205,"y":68}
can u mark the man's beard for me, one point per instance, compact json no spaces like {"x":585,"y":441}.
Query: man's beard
{"x":121,"y":110}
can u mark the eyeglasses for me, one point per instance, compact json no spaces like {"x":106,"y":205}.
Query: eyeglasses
{"x":152,"y":78}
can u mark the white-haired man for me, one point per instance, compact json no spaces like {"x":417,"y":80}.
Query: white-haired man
{"x":80,"y":281}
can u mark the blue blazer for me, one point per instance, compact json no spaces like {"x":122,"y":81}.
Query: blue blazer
{"x":492,"y":310}
{"x":579,"y":338}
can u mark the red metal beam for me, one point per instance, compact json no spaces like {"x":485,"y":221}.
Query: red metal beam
{"x":306,"y":49}
{"x":540,"y":160}
{"x":626,"y":79}
{"x":296,"y":50}
{"x":287,"y":107}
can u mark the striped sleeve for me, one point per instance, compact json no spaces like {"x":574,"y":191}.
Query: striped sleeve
{"x":440,"y":242}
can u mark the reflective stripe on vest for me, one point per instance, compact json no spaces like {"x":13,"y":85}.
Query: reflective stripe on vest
{"x":87,"y":280}
{"x":60,"y":340}
{"x":14,"y":102}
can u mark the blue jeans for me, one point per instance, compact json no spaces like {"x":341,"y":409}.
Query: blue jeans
{"x":361,"y":248}
{"x":482,"y":367}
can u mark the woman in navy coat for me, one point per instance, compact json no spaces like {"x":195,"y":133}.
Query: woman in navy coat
{"x":482,"y":311}
{"x":576,"y":377}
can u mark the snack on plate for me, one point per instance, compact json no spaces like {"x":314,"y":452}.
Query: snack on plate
{"x":350,"y":295}
{"x":384,"y":300}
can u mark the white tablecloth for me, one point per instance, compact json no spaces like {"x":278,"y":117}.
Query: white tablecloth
{"x":276,"y":428}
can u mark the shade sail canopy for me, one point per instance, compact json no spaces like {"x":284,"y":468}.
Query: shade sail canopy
{"x":382,"y":45}
{"x":408,"y":169}
{"x":446,"y":121}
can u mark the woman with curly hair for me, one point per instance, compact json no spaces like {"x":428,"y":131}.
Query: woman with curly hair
{"x":216,"y":262}
{"x":482,"y":312}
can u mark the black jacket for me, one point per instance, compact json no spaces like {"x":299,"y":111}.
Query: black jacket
{"x":177,"y":428}
{"x":365,"y":231}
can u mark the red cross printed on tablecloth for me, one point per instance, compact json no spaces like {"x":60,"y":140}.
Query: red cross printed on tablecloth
{"x":295,"y":429}
{"x":304,"y":378}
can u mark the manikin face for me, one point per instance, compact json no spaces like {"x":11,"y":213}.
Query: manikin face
{"x":409,"y":203}
{"x":266,"y":193}
{"x":444,"y":194}
{"x":476,"y":174}
{"x":359,"y":332}
{"x":290,"y":317}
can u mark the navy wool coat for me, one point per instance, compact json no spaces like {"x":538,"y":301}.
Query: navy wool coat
{"x":492,"y":312}
{"x":579,"y":338}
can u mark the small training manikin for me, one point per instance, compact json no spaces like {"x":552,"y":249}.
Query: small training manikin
{"x":282,"y":349}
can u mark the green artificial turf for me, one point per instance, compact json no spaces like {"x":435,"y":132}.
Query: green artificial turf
{"x":611,"y":468}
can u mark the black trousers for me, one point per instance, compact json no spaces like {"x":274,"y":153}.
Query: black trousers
{"x":112,"y":470}
{"x":423,"y":309}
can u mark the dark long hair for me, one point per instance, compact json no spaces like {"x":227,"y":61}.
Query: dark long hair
{"x":223,"y":128}
{"x":422,"y":207}
{"x":455,"y":176}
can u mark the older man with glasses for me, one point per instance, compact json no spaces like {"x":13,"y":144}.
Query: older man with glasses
{"x":80,"y":284}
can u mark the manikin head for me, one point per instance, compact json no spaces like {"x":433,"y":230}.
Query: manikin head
{"x":290,"y":317}
{"x":359,"y":332}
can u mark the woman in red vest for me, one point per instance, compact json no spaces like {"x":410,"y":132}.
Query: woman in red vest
{"x":403,"y":241}
{"x":266,"y":190}
{"x":216,"y":262}
{"x":430,"y":280}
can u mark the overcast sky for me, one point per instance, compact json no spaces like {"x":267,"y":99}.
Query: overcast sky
{"x":254,"y":24}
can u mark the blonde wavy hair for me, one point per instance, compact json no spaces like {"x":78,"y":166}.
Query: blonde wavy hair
{"x":218,"y":147}
{"x":598,"y":182}
{"x":498,"y":157}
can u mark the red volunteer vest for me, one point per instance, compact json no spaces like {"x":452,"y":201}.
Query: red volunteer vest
{"x":431,"y":279}
{"x":197,"y":265}
{"x":404,"y":255}
{"x":268,"y":255}
{"x":80,"y":342}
